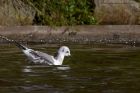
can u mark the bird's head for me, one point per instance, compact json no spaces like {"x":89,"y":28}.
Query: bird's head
{"x":64,"y":50}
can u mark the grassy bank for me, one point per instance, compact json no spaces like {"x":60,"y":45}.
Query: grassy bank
{"x":65,"y":12}
{"x":47,"y":12}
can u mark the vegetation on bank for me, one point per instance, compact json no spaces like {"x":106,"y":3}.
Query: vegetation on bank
{"x":63,"y":12}
{"x":137,"y":0}
{"x":47,"y":12}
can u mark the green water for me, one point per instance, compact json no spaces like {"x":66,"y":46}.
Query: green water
{"x":88,"y":70}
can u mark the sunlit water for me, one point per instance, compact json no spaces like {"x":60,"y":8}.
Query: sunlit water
{"x":88,"y":70}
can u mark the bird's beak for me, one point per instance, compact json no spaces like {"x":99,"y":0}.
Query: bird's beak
{"x":69,"y":54}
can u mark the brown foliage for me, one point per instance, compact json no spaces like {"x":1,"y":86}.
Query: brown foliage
{"x":117,"y":15}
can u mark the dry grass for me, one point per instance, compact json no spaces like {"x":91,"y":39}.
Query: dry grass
{"x":118,"y":14}
{"x":15,"y":12}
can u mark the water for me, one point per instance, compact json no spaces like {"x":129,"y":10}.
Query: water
{"x":88,"y":70}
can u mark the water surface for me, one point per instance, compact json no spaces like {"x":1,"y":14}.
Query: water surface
{"x":88,"y":70}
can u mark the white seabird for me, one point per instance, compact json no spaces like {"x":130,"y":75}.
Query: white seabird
{"x":40,"y":57}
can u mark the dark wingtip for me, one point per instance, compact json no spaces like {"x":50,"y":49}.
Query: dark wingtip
{"x":13,"y":41}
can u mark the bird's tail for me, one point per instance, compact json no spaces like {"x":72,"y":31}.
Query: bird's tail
{"x":13,"y":41}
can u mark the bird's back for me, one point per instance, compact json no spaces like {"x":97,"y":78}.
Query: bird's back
{"x":39,"y":57}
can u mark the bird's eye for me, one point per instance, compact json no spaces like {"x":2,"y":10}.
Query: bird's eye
{"x":67,"y":51}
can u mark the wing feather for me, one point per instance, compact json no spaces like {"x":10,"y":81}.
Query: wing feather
{"x":41,"y":57}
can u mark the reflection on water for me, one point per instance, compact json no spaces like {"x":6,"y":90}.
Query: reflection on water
{"x":89,"y":70}
{"x":29,"y":68}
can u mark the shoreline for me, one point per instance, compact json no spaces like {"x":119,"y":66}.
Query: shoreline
{"x":91,"y":34}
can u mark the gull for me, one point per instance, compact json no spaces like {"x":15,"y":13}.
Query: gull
{"x":41,"y":57}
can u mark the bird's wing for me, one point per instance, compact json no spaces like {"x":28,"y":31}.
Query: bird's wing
{"x":37,"y":55}
{"x":15,"y":42}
